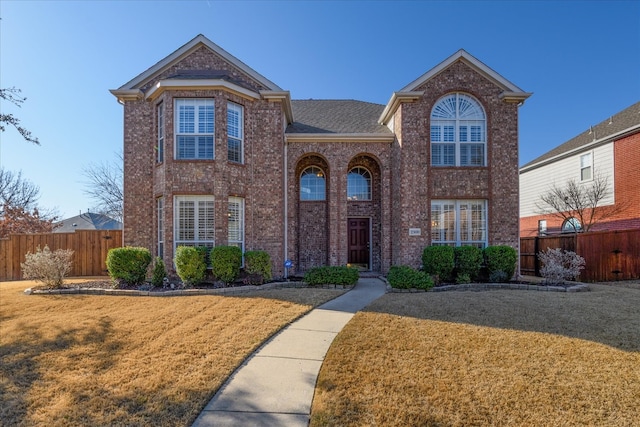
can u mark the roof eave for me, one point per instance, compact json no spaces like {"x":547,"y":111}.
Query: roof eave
{"x":280,"y":96}
{"x":515,"y":97}
{"x":339,"y":137}
{"x":585,"y":147}
{"x":198,"y":84}
{"x":396,"y":99}
{"x":127,"y":95}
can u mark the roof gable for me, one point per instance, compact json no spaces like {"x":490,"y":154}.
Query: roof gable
{"x":615,"y":127}
{"x":411,"y":92}
{"x":182,"y":52}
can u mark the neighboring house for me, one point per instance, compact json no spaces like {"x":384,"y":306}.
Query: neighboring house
{"x":217,"y":154}
{"x":611,"y":150}
{"x":87,"y":221}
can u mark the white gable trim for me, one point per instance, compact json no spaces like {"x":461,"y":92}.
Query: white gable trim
{"x":206,"y":84}
{"x":470,"y":60}
{"x":186,"y":50}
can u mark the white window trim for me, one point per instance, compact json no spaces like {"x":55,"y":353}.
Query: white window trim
{"x":370,"y":182}
{"x":176,"y":127}
{"x":456,"y":137}
{"x":160,"y":224}
{"x":176,"y":226}
{"x":458,"y":240}
{"x":161,"y":132}
{"x":240,"y":202}
{"x":231,"y":106}
{"x":590,"y":166}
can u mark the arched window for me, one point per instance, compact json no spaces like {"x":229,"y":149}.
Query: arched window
{"x":359,"y":184}
{"x":571,"y":225}
{"x":312,"y":184}
{"x":458,"y":132}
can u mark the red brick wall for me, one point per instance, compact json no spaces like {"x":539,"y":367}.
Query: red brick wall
{"x":259,"y":180}
{"x":417,"y":182}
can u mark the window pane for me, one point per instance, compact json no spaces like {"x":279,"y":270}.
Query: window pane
{"x":312,"y":184}
{"x":359,"y":184}
{"x":194,"y":140}
{"x":436,"y":134}
{"x":461,"y":222}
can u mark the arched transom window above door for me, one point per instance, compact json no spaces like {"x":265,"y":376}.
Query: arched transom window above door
{"x":358,"y":184}
{"x":458,"y":132}
{"x":312,"y":184}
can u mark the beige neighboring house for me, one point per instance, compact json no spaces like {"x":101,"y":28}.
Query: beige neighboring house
{"x":217,"y":154}
{"x":610,"y":149}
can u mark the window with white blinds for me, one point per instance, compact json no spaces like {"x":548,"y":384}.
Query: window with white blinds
{"x":194,"y":128}
{"x":235,"y":133}
{"x":459,"y":223}
{"x":194,"y":221}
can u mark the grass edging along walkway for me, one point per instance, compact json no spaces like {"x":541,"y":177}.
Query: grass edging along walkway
{"x":573,"y":287}
{"x":177,"y":292}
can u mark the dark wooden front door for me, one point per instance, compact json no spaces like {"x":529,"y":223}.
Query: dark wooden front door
{"x":358,"y":231}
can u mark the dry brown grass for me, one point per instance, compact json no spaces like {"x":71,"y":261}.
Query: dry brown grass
{"x":112,"y":360}
{"x":497,"y":358}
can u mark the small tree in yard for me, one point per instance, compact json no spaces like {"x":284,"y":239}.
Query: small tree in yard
{"x":580,"y":201}
{"x":48,"y":267}
{"x":560,"y":265}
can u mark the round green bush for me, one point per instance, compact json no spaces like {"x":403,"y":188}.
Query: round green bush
{"x":258,"y":262}
{"x":468,"y":261}
{"x":190,"y":265}
{"x":128,"y":265}
{"x":500,"y":262}
{"x":439,"y":261}
{"x":405,"y":277}
{"x":226,"y":262}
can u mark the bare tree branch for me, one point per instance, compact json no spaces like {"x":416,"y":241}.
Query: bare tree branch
{"x":104,"y":186}
{"x":580,"y":201}
{"x":11,"y":95}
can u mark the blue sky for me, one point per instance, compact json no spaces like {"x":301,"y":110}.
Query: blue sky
{"x":581,"y":60}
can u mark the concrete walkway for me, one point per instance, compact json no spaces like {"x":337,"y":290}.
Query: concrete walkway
{"x":275,"y":385}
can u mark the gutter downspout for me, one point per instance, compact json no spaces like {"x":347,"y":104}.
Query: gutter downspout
{"x":286,"y":205}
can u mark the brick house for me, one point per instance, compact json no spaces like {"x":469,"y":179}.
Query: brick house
{"x":609,"y":150}
{"x":217,"y":154}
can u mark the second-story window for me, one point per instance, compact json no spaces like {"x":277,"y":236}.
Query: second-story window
{"x":458,"y":132}
{"x":160,"y":148}
{"x":194,"y":128}
{"x":235,"y":132}
{"x":586,"y":166}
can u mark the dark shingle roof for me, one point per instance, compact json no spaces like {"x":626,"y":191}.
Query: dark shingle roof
{"x":336,"y":116}
{"x":617,"y":123}
{"x":87,"y":221}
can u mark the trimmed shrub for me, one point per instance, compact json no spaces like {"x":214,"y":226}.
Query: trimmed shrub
{"x":226,"y":262}
{"x":405,"y":277}
{"x":190,"y":264}
{"x":468,"y":261}
{"x":128,"y":265}
{"x":439,"y":261}
{"x":560,"y":265}
{"x":47,"y":267}
{"x":500,"y":262}
{"x":332,"y":275}
{"x":258,"y":262}
{"x":159,"y":273}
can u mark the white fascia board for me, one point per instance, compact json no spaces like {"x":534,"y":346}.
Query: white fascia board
{"x":474,"y":63}
{"x":396,"y":99}
{"x":186,"y":50}
{"x":586,"y":147}
{"x":198,"y":84}
{"x":339,"y":137}
{"x":283,"y":96}
{"x":127,"y":95}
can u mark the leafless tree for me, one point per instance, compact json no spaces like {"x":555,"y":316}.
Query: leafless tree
{"x":19,"y":211}
{"x":580,"y":201}
{"x":12,"y":95}
{"x":104,"y":186}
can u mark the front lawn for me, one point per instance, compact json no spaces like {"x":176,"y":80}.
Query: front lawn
{"x":114,"y":360}
{"x":499,"y":358}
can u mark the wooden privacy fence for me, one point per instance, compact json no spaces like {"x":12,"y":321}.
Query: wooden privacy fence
{"x":89,"y":247}
{"x":609,"y":255}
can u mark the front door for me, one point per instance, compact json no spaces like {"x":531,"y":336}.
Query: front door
{"x":358,"y":231}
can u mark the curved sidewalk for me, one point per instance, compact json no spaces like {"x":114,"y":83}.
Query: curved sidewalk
{"x":275,"y":385}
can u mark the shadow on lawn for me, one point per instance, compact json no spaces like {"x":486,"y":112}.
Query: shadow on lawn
{"x":20,"y":362}
{"x":607,"y":315}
